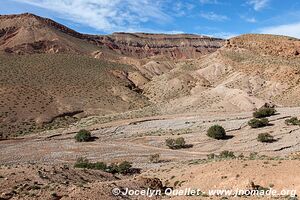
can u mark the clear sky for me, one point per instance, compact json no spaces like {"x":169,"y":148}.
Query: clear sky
{"x":218,"y":18}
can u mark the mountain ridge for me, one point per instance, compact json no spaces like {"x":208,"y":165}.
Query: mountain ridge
{"x":139,"y":45}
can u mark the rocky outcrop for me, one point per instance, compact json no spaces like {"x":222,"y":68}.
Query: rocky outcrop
{"x":172,"y":46}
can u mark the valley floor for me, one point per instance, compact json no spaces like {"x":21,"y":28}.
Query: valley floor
{"x":136,"y":139}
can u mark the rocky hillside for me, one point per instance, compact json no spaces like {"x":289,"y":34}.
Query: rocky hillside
{"x":248,"y":72}
{"x":28,"y":33}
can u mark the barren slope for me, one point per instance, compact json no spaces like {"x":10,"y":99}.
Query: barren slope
{"x":249,"y":71}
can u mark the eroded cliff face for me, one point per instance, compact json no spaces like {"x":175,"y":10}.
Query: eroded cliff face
{"x":28,"y":33}
{"x":179,"y":46}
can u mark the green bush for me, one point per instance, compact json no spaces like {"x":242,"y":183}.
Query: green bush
{"x":227,"y":154}
{"x":176,"y":143}
{"x":124,"y":167}
{"x":258,"y":123}
{"x":81,"y":163}
{"x":170,"y":143}
{"x":83,"y":136}
{"x":216,"y":132}
{"x":100,"y":166}
{"x":84,"y":163}
{"x":121,"y":168}
{"x":265,"y":137}
{"x":114,"y":168}
{"x":292,"y":121}
{"x":264,"y":112}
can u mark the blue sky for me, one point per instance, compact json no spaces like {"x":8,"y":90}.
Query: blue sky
{"x":217,"y":18}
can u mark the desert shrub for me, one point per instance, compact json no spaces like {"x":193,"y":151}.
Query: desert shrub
{"x":83,"y":136}
{"x":265,"y":137}
{"x":253,"y":155}
{"x":124,"y":167}
{"x":81,"y":163}
{"x":175,"y":143}
{"x":100,"y":166}
{"x":258,"y":123}
{"x":227,"y":154}
{"x":84,"y":163}
{"x":264,"y":112}
{"x":211,"y":156}
{"x":292,"y":121}
{"x":154,"y":158}
{"x":114,"y":168}
{"x":216,"y":132}
{"x":170,"y":142}
{"x":180,"y":141}
{"x":222,"y":155}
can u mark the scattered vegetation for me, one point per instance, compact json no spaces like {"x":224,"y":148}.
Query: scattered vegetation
{"x":154,"y":158}
{"x":84,"y":163}
{"x":216,"y":132}
{"x":265,"y":137}
{"x":160,"y":132}
{"x":31,"y":92}
{"x":226,"y":154}
{"x":264,"y":112}
{"x":258,"y":123}
{"x":177,"y":143}
{"x":253,"y":155}
{"x":83,"y":136}
{"x":121,"y":168}
{"x":292,"y":121}
{"x":223,"y":155}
